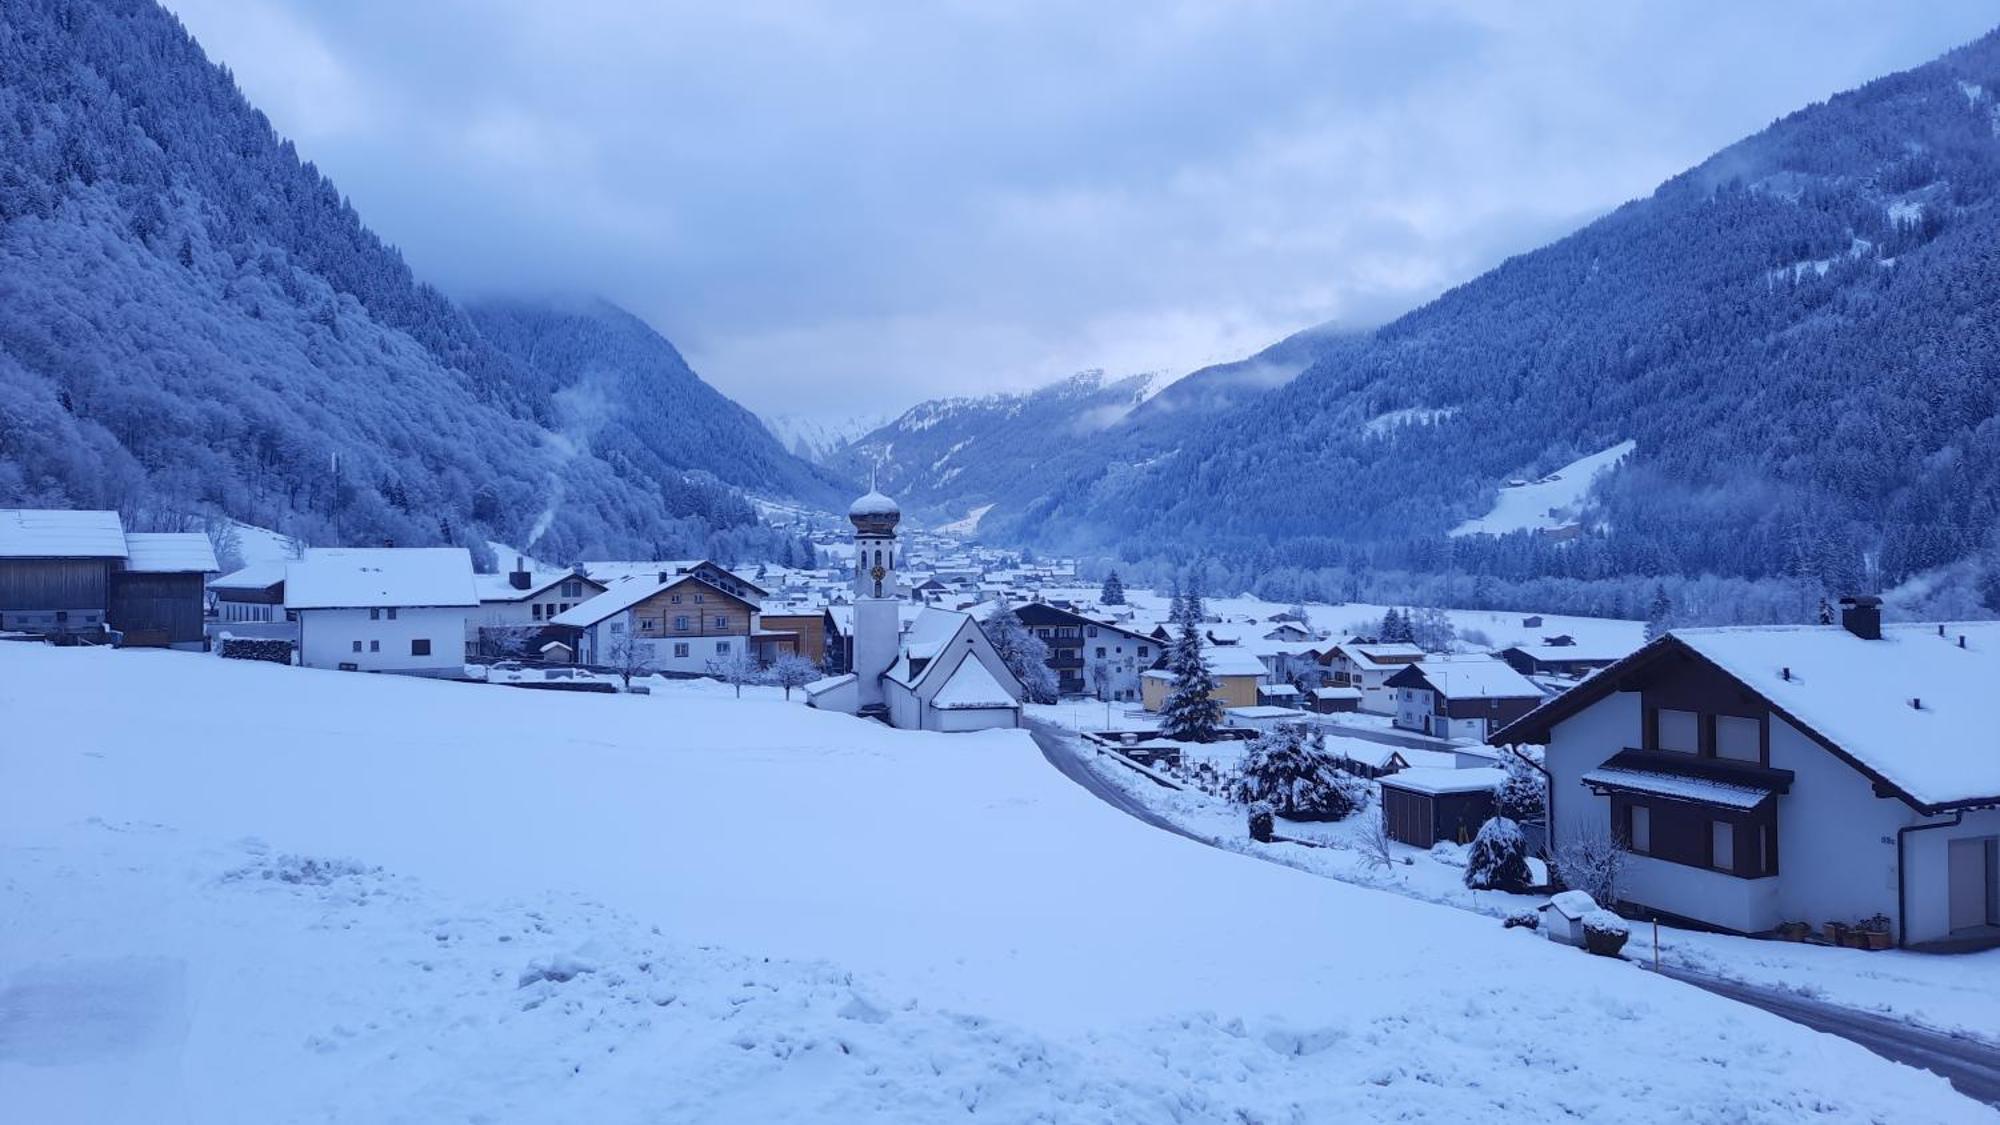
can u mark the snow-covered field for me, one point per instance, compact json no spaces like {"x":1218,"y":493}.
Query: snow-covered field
{"x":242,"y":892}
{"x":1553,"y":501}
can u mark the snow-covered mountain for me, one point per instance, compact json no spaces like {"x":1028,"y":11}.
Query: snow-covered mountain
{"x":818,"y":440}
{"x":194,"y":322}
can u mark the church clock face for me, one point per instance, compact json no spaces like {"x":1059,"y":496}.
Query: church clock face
{"x":878,"y":573}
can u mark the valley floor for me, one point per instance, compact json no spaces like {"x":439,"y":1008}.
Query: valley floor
{"x":235,"y":892}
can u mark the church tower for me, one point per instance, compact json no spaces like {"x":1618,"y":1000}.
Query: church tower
{"x":877,"y":624}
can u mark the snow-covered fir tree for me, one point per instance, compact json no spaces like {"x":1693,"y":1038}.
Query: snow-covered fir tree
{"x":1499,"y":858}
{"x":1191,"y":712}
{"x":1660,"y":613}
{"x":1024,"y":654}
{"x":1523,"y":793}
{"x":1114,"y":590}
{"x":1288,"y":768}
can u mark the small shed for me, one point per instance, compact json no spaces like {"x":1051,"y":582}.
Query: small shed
{"x":556,"y":652}
{"x":1423,"y":806}
{"x":1278,"y":695}
{"x":1333,"y":700}
{"x":1263,"y":718}
{"x":1562,"y":917}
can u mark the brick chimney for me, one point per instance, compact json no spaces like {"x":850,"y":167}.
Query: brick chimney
{"x":1861,"y":614}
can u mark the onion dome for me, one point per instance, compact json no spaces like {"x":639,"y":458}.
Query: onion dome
{"x":874,"y":514}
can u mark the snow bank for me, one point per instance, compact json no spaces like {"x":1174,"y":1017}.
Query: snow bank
{"x":544,"y":906}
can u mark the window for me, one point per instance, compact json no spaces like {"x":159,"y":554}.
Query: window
{"x":674,"y":598}
{"x":572,"y":589}
{"x":1739,"y":739}
{"x":681,"y":622}
{"x":721,"y":622}
{"x":648,"y":624}
{"x":1679,"y":731}
{"x":722,"y":648}
{"x":1142,"y":651}
{"x":535,"y":611}
{"x":1640,"y":832}
{"x":420,"y":646}
{"x":357,"y":646}
{"x":1722,"y":845}
{"x":681,"y":650}
{"x":374,"y":646}
{"x":1093,"y":630}
{"x":392,"y":613}
{"x":1100,"y":652}
{"x":374,"y":614}
{"x":617,"y":628}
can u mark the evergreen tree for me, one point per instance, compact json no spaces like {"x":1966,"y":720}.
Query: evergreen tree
{"x":1499,"y":858}
{"x":1288,"y":769}
{"x":1024,"y":654}
{"x":1396,"y":628}
{"x":1114,"y":590}
{"x":1191,"y":712}
{"x":1659,"y":615}
{"x":1523,"y":794}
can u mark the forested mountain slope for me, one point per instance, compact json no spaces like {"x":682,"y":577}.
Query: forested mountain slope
{"x":194,"y":322}
{"x":1802,"y":334}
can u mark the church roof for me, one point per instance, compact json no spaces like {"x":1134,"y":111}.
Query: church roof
{"x":970,"y":687}
{"x":874,"y":504}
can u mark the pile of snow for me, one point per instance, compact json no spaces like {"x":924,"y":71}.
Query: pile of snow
{"x":501,"y":905}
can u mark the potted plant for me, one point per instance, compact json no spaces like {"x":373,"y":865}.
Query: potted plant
{"x":1604,"y":933}
{"x":1793,"y":931}
{"x":1874,"y":931}
{"x":1836,"y":933}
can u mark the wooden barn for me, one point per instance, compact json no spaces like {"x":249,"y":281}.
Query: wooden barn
{"x":1427,"y":806}
{"x":75,"y":575}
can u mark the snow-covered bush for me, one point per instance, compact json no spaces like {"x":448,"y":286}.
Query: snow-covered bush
{"x":1523,"y":920}
{"x":1261,"y":826}
{"x":1499,"y":859}
{"x":1289,"y":767}
{"x":1590,"y":859}
{"x":790,"y":670}
{"x":1604,"y":933}
{"x":1025,"y":654}
{"x":1523,"y":794}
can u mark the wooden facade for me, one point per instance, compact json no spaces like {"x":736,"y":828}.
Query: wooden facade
{"x":810,"y":629}
{"x":692,"y":608}
{"x":1424,"y":819}
{"x":157,"y":609}
{"x":52,"y":585}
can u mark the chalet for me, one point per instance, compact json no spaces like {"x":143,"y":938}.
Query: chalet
{"x":383,"y":609}
{"x":1238,"y":674}
{"x":1572,"y":661}
{"x":80,"y":575}
{"x":679,"y":618}
{"x":1335,"y":700}
{"x":818,"y":637}
{"x":1461,"y":697}
{"x":1366,"y":666}
{"x":516,"y":608}
{"x":1774,"y":774}
{"x":1090,"y":657}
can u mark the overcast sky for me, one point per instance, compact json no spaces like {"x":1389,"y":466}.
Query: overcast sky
{"x":847,"y":207}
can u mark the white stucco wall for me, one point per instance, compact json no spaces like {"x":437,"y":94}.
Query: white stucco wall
{"x":1836,"y":839}
{"x":600,"y":640}
{"x":1927,"y":868}
{"x":1578,"y":745}
{"x":327,"y":638}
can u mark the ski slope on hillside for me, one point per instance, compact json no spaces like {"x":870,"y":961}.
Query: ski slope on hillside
{"x":1553,"y":501}
{"x":241,"y":892}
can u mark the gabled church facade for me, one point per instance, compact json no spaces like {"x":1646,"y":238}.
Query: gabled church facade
{"x":942,"y":674}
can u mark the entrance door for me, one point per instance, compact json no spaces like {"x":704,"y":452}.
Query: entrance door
{"x":1970,"y":883}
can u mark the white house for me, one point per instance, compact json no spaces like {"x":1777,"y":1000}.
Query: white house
{"x":941,"y":673}
{"x":522,"y":600}
{"x":1466,"y":697}
{"x":1792,"y":774}
{"x":1366,"y":667}
{"x":382,"y":609}
{"x":679,"y":617}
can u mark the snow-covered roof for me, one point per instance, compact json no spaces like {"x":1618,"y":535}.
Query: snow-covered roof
{"x":873,"y":503}
{"x":1228,"y":660}
{"x":1435,"y":782}
{"x":1857,"y":694}
{"x":1678,"y":787}
{"x":622,"y":595}
{"x":822,"y":686}
{"x":170,"y":552}
{"x":1278,"y":690}
{"x":1476,"y":677}
{"x":500,"y":587}
{"x":1361,"y":751}
{"x":1381,"y":655}
{"x":1571,"y":904}
{"x":367,"y":577}
{"x":925,"y":639}
{"x":1266,"y":713}
{"x":1570,"y":654}
{"x":972,"y":687}
{"x":256,"y":576}
{"x":1337,"y":693}
{"x":54,"y":533}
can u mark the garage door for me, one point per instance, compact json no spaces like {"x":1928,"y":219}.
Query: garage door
{"x":1971,"y":884}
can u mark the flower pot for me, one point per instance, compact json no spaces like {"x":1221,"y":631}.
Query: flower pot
{"x":1793,"y":931}
{"x":1854,"y":939}
{"x":1604,"y":943}
{"x":1877,"y":939}
{"x":1836,"y":932}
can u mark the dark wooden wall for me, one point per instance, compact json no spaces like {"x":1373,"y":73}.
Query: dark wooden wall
{"x":158,"y":603}
{"x":46,"y":584}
